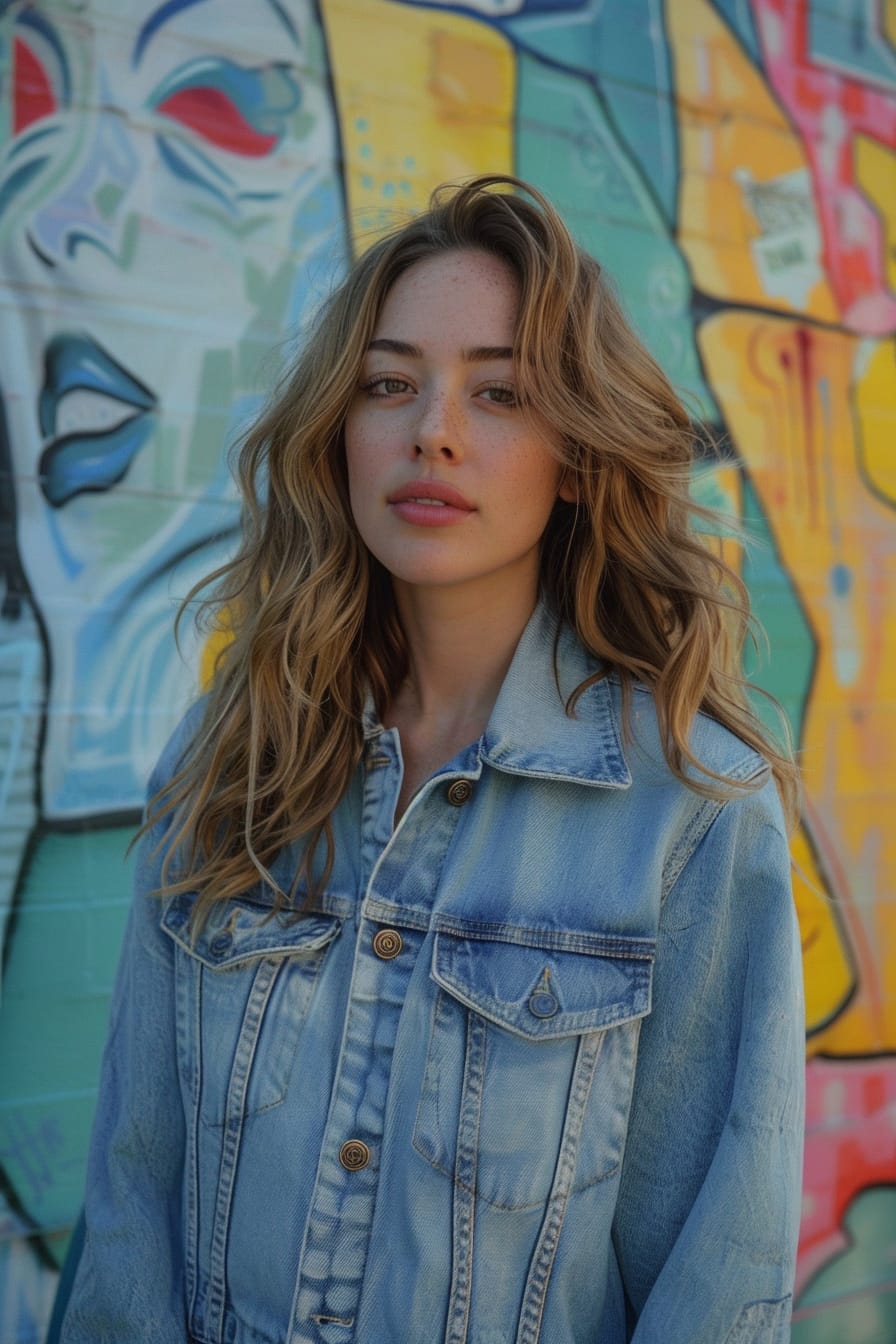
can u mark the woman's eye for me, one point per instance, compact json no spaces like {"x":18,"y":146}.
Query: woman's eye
{"x":387,"y":386}
{"x":500,"y":393}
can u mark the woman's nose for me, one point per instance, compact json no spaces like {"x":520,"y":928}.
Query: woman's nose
{"x":440,"y":428}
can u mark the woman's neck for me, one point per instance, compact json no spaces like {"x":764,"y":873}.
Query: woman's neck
{"x":460,"y":645}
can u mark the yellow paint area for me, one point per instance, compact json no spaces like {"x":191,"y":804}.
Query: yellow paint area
{"x":216,"y":641}
{"x":888,"y":20}
{"x":424,"y":97}
{"x":875,"y":398}
{"x":875,"y":170}
{"x":733,"y":139}
{"x":786,"y":390}
{"x":829,"y":974}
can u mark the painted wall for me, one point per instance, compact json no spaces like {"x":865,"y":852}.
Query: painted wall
{"x":179,"y":183}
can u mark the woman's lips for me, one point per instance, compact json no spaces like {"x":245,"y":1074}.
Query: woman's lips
{"x":430,"y":504}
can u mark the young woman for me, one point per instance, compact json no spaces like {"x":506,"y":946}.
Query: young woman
{"x":460,"y":999}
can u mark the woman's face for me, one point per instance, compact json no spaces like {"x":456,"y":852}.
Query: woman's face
{"x":168,"y":191}
{"x":450,"y":484}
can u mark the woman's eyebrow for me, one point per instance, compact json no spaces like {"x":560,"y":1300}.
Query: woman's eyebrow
{"x":477,"y":354}
{"x":396,"y":347}
{"x":484,"y":354}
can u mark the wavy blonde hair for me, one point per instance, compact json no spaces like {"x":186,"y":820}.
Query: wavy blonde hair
{"x":281,"y":732}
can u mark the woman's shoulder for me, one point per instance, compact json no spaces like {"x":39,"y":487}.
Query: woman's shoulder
{"x":175,"y":749}
{"x":629,"y":709}
{"x":714,"y":745}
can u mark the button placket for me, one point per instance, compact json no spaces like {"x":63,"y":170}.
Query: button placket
{"x":354,"y":1155}
{"x":340,"y":1217}
{"x":334,"y":1254}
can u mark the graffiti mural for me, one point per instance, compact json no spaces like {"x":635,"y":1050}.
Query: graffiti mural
{"x":170,"y":203}
{"x":180,"y":183}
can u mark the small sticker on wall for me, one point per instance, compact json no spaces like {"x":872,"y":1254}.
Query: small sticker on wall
{"x":787,"y":250}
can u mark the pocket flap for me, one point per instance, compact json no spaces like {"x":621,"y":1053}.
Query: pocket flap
{"x":236,"y":932}
{"x":545,"y":992}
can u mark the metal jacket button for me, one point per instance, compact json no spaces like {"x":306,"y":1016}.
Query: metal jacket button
{"x":459,"y":792}
{"x":387,"y":944}
{"x":543,"y":1003}
{"x":354,"y":1154}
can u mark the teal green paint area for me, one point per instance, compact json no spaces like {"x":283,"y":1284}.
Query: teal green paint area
{"x":108,"y":198}
{"x":852,"y":1299}
{"x":63,"y":952}
{"x":784,"y":670}
{"x":621,"y":44}
{"x":567,"y":147}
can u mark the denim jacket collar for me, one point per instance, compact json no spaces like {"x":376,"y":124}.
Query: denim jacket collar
{"x":529,"y":731}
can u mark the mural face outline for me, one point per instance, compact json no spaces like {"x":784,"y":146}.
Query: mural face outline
{"x":152,"y":171}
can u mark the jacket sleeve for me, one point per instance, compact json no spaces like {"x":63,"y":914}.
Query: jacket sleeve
{"x":129,"y":1281}
{"x":709,"y":1204}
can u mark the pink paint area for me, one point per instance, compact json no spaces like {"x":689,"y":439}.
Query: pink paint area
{"x":829,"y":110}
{"x":850,"y":1145}
{"x":872,"y":314}
{"x":429,"y":515}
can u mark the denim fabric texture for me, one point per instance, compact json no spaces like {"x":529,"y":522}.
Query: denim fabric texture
{"x":575,"y":1066}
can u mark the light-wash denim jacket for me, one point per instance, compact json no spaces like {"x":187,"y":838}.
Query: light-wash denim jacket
{"x":532,"y":1070}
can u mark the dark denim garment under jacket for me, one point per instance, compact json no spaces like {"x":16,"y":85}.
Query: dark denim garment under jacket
{"x":531,"y":1070}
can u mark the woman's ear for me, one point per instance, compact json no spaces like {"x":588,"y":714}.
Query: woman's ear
{"x":568,"y":489}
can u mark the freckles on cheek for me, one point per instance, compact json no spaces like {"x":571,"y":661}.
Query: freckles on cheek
{"x":355,"y":459}
{"x":533,"y":481}
{"x":363,"y":462}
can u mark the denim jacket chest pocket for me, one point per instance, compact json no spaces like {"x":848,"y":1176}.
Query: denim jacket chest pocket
{"x":530,"y":1059}
{"x":244,"y":985}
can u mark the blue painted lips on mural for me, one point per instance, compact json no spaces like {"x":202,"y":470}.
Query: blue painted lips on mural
{"x":118,"y":411}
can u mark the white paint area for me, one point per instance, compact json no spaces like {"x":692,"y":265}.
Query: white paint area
{"x":787,"y":250}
